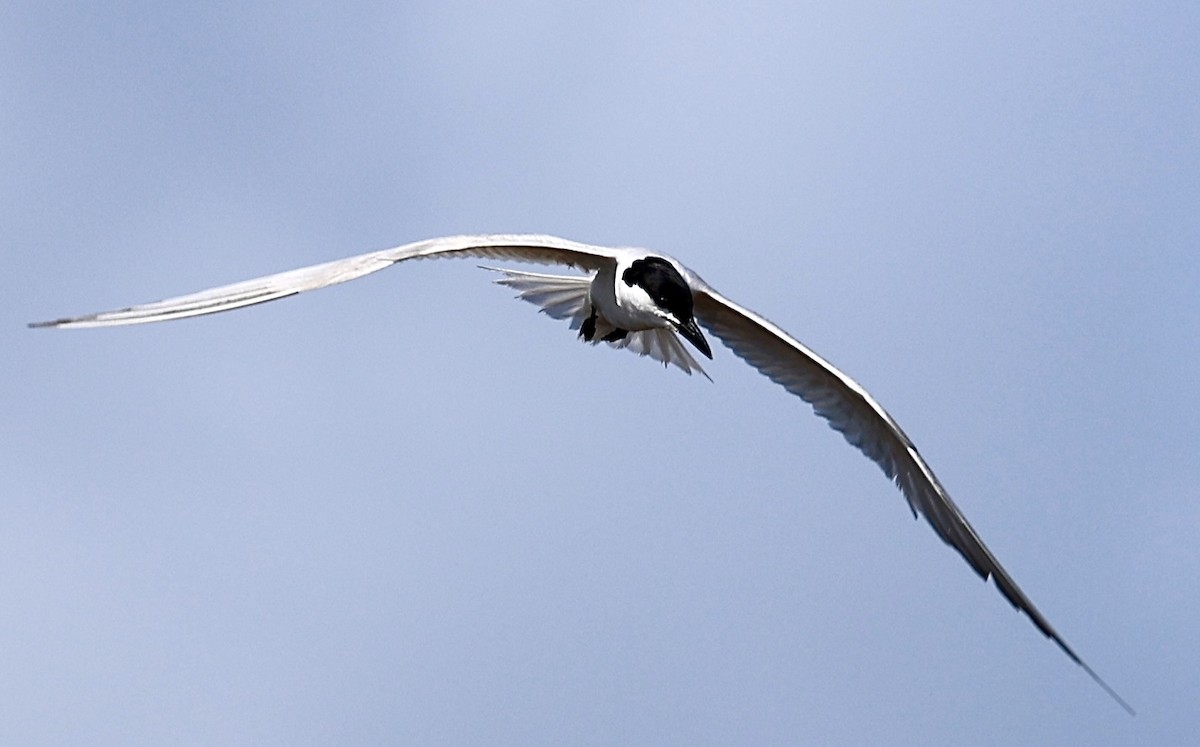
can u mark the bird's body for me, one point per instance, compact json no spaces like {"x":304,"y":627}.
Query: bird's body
{"x":636,"y":300}
{"x":627,"y":307}
{"x":646,"y":302}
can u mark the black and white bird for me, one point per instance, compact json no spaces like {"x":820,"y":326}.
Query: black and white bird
{"x":646,"y":302}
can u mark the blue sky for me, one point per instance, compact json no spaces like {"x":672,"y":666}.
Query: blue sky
{"x":410,"y":510}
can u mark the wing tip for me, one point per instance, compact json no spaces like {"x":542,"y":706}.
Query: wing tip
{"x":1022,"y":604}
{"x":50,"y":323}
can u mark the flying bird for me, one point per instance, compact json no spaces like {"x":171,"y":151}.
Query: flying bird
{"x":651,"y":304}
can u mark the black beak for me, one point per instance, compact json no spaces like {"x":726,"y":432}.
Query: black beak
{"x":692,"y":334}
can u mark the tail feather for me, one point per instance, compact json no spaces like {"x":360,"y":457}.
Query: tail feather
{"x":559,"y":296}
{"x":665,"y":346}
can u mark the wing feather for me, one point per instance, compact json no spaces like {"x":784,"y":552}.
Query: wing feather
{"x":523,"y":248}
{"x":867,"y":426}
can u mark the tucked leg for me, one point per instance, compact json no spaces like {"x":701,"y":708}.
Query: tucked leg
{"x":587,"y":330}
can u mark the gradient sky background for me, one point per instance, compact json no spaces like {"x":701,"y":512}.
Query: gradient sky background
{"x":410,"y":510}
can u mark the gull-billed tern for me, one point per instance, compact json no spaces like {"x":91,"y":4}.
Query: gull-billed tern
{"x":645,"y":302}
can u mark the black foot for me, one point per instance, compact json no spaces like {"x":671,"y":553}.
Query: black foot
{"x":615,"y":335}
{"x":587,"y":330}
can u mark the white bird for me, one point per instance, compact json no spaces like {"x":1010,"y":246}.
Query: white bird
{"x":645,"y":302}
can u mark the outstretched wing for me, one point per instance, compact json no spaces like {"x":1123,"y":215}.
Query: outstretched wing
{"x":867,"y":426}
{"x":537,"y":249}
{"x":566,"y":297}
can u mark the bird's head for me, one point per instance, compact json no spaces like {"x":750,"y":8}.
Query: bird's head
{"x":671,"y":295}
